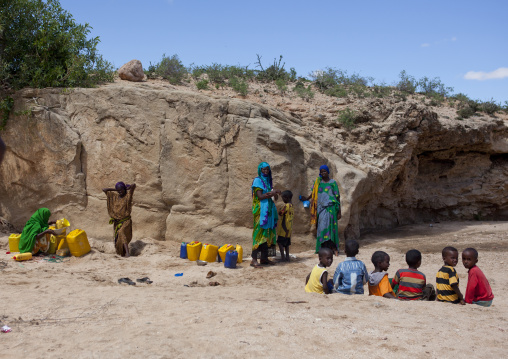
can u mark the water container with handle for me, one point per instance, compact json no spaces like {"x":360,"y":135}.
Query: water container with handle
{"x":231,"y":258}
{"x":22,"y":257}
{"x":183,"y":250}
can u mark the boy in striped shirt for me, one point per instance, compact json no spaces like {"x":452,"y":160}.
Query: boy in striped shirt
{"x":447,"y":281}
{"x":411,"y":281}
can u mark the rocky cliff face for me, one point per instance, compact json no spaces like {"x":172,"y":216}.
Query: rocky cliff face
{"x":193,"y":157}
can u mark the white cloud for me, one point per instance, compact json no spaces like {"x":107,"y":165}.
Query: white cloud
{"x":500,"y":73}
{"x":425,"y":45}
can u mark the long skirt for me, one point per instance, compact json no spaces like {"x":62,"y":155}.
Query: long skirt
{"x":123,"y":236}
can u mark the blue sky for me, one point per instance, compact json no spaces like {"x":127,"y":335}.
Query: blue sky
{"x":464,"y":43}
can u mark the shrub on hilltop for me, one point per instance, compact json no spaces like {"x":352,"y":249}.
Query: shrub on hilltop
{"x":42,"y":46}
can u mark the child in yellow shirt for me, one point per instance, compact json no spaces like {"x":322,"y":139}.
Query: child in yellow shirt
{"x":285,"y":225}
{"x":317,"y":280}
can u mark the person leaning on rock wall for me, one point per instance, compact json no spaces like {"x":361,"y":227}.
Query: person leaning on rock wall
{"x":2,"y":149}
{"x":119,"y":209}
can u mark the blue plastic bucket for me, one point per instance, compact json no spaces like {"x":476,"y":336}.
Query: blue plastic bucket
{"x":183,"y":250}
{"x":231,"y":259}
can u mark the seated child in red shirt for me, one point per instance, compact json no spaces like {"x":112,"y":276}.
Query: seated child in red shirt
{"x":413,"y":283}
{"x":317,"y":280}
{"x":478,"y":289}
{"x":378,"y":279}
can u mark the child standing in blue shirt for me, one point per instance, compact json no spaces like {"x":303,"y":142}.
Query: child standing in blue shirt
{"x":350,"y":275}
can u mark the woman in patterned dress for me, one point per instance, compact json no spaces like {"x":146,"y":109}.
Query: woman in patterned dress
{"x":325,"y":210}
{"x":265,"y":215}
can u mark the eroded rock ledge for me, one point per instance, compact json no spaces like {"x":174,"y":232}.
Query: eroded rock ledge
{"x":194,"y":156}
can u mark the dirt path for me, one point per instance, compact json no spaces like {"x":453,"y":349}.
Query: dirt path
{"x":77,"y":308}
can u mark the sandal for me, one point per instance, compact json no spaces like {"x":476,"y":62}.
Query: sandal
{"x":126,"y":280}
{"x":256,"y":265}
{"x":144,"y":280}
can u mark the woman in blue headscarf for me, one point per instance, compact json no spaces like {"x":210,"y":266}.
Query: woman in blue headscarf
{"x":325,"y":210}
{"x":265,"y":214}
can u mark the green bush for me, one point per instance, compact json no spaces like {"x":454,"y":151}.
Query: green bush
{"x":407,"y":83}
{"x":465,"y":112}
{"x":171,"y":69}
{"x":381,"y":91}
{"x":303,"y":92}
{"x":239,"y":85}
{"x":348,"y":118}
{"x":330,"y":77}
{"x":474,"y":105}
{"x":430,"y":87}
{"x":282,"y":86}
{"x":336,"y":91}
{"x":5,"y":109}
{"x":42,"y":46}
{"x":490,"y":107}
{"x":274,"y":72}
{"x":202,"y":85}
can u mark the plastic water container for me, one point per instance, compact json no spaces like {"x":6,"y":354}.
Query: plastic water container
{"x":63,"y":243}
{"x":239,"y":249}
{"x":62,"y":223}
{"x":183,"y":250}
{"x":193,"y":250}
{"x":14,"y":242}
{"x":54,"y":242}
{"x":231,"y":258}
{"x":209,"y":253}
{"x":78,"y":243}
{"x":224,"y":249}
{"x":22,"y":257}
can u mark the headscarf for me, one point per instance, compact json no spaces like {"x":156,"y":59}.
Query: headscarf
{"x":267,"y":180}
{"x":314,"y":196}
{"x":38,"y":223}
{"x":121,"y":185}
{"x":267,"y":211}
{"x":324,"y":167}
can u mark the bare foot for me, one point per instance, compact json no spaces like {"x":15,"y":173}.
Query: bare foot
{"x":255,"y":264}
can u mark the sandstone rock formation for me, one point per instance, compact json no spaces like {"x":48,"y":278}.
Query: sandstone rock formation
{"x":132,"y":71}
{"x":193,"y":157}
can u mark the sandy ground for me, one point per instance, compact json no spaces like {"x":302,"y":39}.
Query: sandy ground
{"x":77,"y":308}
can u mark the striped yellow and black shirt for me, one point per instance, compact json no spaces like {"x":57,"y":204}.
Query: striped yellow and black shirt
{"x":445,"y":278}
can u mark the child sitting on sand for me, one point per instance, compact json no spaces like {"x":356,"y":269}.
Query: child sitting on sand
{"x":447,"y":281}
{"x":285,"y":225}
{"x":378,"y":279}
{"x":478,"y":289}
{"x":413,"y":283}
{"x":350,"y":275}
{"x":317,"y":280}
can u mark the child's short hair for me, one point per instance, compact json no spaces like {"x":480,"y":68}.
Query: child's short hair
{"x":378,"y":257}
{"x":472,"y":250}
{"x":351,"y":247}
{"x":324,"y":251}
{"x":413,"y":256}
{"x":448,"y":249}
{"x":287,"y":193}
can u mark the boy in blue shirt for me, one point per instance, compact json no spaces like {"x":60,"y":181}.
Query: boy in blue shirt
{"x":350,"y":275}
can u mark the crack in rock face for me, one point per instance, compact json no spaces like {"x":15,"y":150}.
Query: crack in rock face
{"x":194,"y":156}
